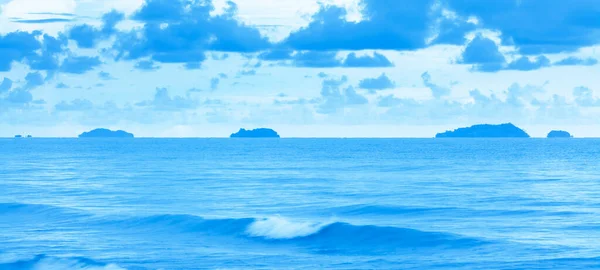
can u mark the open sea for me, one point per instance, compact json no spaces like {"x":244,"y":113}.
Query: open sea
{"x":299,"y":204}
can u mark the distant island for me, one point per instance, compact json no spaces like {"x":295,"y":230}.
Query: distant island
{"x":255,"y":133}
{"x":18,"y":136}
{"x":559,"y":134}
{"x":106,"y":133}
{"x":486,"y":131}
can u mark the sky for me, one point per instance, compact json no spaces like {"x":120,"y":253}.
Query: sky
{"x":306,"y":68}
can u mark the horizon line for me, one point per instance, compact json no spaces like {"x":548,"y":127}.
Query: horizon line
{"x":149,"y":137}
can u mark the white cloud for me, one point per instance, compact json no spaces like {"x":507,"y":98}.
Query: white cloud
{"x":277,"y":18}
{"x":20,"y":8}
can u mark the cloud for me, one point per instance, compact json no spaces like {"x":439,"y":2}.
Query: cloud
{"x":162,"y":101}
{"x":353,"y":98}
{"x":19,"y":96}
{"x":6,"y":85}
{"x":484,"y":54}
{"x":193,"y":65}
{"x":388,"y":24}
{"x":334,"y":99}
{"x":325,"y":59}
{"x":16,"y":46}
{"x":181,"y":31}
{"x":42,"y":21}
{"x":52,"y":48}
{"x":80,"y":64}
{"x":299,"y":101}
{"x":380,"y":83}
{"x":219,"y":57}
{"x":436,"y":90}
{"x":515,"y":102}
{"x":585,"y":97}
{"x":316,"y":59}
{"x":214,"y":83}
{"x":105,"y":76}
{"x":146,"y":65}
{"x":250,"y":72}
{"x":322,"y":75}
{"x":389,"y":101}
{"x":64,"y":14}
{"x":87,"y":36}
{"x":74,"y":105}
{"x":38,"y":50}
{"x":410,"y":25}
{"x":33,"y":80}
{"x":575,"y":61}
{"x":62,"y":86}
{"x":525,"y":64}
{"x":377,"y":60}
{"x":276,"y":55}
{"x":563,"y":26}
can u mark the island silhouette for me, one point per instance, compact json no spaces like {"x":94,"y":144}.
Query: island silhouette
{"x":255,"y":133}
{"x":559,"y":134}
{"x":507,"y":130}
{"x":106,"y":133}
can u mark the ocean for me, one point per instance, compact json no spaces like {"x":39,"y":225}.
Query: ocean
{"x":299,"y":204}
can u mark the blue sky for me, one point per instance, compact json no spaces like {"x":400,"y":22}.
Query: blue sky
{"x":350,"y":68}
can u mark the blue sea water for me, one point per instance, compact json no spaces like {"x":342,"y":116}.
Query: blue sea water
{"x":299,"y":204}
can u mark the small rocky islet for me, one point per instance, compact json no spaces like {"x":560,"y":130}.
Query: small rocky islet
{"x":106,"y":133}
{"x":255,"y":133}
{"x":507,"y":130}
{"x":559,"y":134}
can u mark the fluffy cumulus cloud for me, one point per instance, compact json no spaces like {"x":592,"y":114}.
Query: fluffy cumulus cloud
{"x":182,"y":31}
{"x":517,"y":102}
{"x":6,"y":85}
{"x":585,"y":97}
{"x":103,"y":75}
{"x":484,"y":55}
{"x":562,"y":26}
{"x":87,"y":36}
{"x":524,"y":63}
{"x":80,"y":64}
{"x":20,"y":96}
{"x":335,"y":97}
{"x":367,"y":61}
{"x":325,"y":59}
{"x":146,"y":65}
{"x":40,"y":51}
{"x":436,"y":90}
{"x":389,"y":25}
{"x":376,"y":60}
{"x":163,"y":101}
{"x":382,"y":82}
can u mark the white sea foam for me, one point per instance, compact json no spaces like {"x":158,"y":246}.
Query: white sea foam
{"x":281,"y":228}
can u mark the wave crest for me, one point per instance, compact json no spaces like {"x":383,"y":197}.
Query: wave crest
{"x":281,"y":228}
